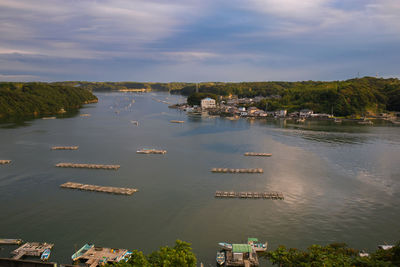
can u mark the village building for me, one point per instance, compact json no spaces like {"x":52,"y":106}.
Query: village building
{"x":207,"y":103}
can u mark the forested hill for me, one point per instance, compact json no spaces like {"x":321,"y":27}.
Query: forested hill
{"x":355,"y":96}
{"x":20,"y":99}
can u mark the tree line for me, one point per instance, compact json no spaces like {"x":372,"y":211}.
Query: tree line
{"x":22,"y":99}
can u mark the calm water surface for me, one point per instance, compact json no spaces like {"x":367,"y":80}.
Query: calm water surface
{"x":341,"y":182}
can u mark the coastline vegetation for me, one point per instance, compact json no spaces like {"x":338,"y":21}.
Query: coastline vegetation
{"x":27,"y":99}
{"x":359,"y":96}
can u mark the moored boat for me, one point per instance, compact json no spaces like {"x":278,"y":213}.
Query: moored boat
{"x":225,"y":245}
{"x":81,"y":251}
{"x":125,"y":257}
{"x":45,"y":255}
{"x":220,"y":258}
{"x":151,"y":151}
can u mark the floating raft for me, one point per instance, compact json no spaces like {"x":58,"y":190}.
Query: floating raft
{"x":5,"y":161}
{"x":64,"y":148}
{"x":151,"y":151}
{"x":175,"y":121}
{"x":85,"y":115}
{"x":264,"y":195}
{"x":88,"y":166}
{"x":226,"y":170}
{"x":5,"y":241}
{"x":33,"y":249}
{"x":254,"y":154}
{"x":97,"y":188}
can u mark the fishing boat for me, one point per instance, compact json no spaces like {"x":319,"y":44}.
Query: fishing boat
{"x":125,"y":257}
{"x":220,"y":258}
{"x":365,"y":122}
{"x":301,"y":120}
{"x":258,"y":247}
{"x":225,"y":245}
{"x":336,"y":120}
{"x":385,"y":247}
{"x":45,"y":255}
{"x":81,"y":251}
{"x":135,"y":122}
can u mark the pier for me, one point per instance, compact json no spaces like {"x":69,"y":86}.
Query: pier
{"x":87,"y":166}
{"x":98,"y":188}
{"x":98,"y":256}
{"x":226,"y":170}
{"x":175,"y":121}
{"x":5,"y":241}
{"x":64,"y":148}
{"x":253,"y":195}
{"x":5,"y":161}
{"x":254,"y":154}
{"x":33,"y":249}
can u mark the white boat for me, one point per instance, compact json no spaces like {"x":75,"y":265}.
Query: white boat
{"x":225,"y":245}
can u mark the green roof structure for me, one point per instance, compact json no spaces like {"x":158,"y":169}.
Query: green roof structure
{"x":252,"y":239}
{"x":241,"y":248}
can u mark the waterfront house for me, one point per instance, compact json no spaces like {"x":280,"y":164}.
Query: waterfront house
{"x":207,"y":103}
{"x":251,"y":110}
{"x":282,"y":113}
{"x":306,"y":113}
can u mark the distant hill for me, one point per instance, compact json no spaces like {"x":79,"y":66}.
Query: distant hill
{"x":20,"y":99}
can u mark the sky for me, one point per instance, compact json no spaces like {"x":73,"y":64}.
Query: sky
{"x":198,"y":40}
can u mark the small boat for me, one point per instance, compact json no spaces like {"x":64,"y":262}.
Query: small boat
{"x":336,"y":120}
{"x":125,"y":257}
{"x":362,"y":253}
{"x":135,"y":122}
{"x":48,"y":118}
{"x":385,"y":247}
{"x":103,"y":261}
{"x":81,"y":251}
{"x":366,"y":122}
{"x":301,"y":120}
{"x":220,"y":258}
{"x":225,"y":245}
{"x":258,"y":247}
{"x":175,"y":121}
{"x":45,"y":255}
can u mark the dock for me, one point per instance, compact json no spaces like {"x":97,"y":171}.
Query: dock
{"x":5,"y":161}
{"x":33,"y":249}
{"x":6,"y":241}
{"x":64,"y":147}
{"x":254,"y":154}
{"x":226,"y":170}
{"x":98,"y":188}
{"x":98,"y":256}
{"x":175,"y":121}
{"x":87,"y":166}
{"x":253,"y":195}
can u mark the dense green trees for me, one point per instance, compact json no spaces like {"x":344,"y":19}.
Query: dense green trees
{"x":20,"y":99}
{"x":179,"y":255}
{"x":355,"y":96}
{"x":337,"y":254}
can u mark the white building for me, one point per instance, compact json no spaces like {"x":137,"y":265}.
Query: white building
{"x":208,"y":103}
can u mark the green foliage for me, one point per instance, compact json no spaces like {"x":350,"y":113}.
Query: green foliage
{"x":195,"y":98}
{"x":179,"y":255}
{"x":19,"y":99}
{"x":337,"y":254}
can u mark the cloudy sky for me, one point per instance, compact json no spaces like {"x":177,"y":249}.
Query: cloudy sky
{"x":198,"y":40}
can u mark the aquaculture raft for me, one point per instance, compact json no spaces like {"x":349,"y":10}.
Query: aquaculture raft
{"x":226,"y":170}
{"x":88,"y":166}
{"x":34,"y":249}
{"x":5,"y":161}
{"x":98,"y":188}
{"x":64,"y":148}
{"x":254,"y":154}
{"x":255,"y":195}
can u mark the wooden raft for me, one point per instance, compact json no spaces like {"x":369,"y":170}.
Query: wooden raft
{"x":88,"y":166}
{"x":175,"y":121}
{"x":226,"y":170}
{"x":64,"y":148}
{"x":254,"y":154}
{"x":34,"y":249}
{"x":264,"y":195}
{"x":98,"y":188}
{"x":5,"y":161}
